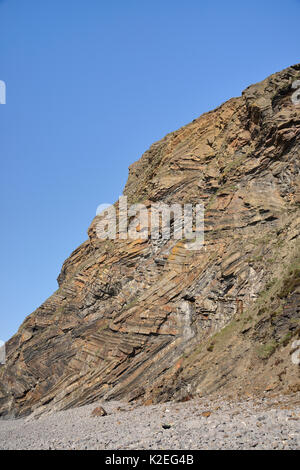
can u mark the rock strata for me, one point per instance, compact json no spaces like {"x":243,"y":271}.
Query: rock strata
{"x":151,"y":320}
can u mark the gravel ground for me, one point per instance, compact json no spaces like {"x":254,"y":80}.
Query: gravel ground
{"x":198,"y":424}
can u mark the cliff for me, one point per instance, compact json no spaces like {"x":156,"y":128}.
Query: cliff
{"x":154,"y":321}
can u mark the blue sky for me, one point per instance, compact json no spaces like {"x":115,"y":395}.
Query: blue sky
{"x":90,"y":86}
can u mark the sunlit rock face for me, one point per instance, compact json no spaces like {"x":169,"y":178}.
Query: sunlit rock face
{"x":151,"y":320}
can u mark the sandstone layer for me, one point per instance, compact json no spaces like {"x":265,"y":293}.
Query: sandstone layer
{"x":153,"y":320}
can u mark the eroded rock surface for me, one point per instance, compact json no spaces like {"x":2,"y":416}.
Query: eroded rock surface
{"x":152,"y":320}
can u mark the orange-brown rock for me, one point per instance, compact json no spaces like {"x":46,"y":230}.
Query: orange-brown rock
{"x":152,"y":320}
{"x":99,"y":411}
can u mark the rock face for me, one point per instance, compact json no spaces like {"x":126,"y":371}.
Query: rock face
{"x":152,"y":320}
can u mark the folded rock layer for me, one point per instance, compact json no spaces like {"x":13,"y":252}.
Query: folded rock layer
{"x":153,"y":320}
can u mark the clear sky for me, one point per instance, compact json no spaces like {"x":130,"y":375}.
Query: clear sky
{"x":90,"y":86}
